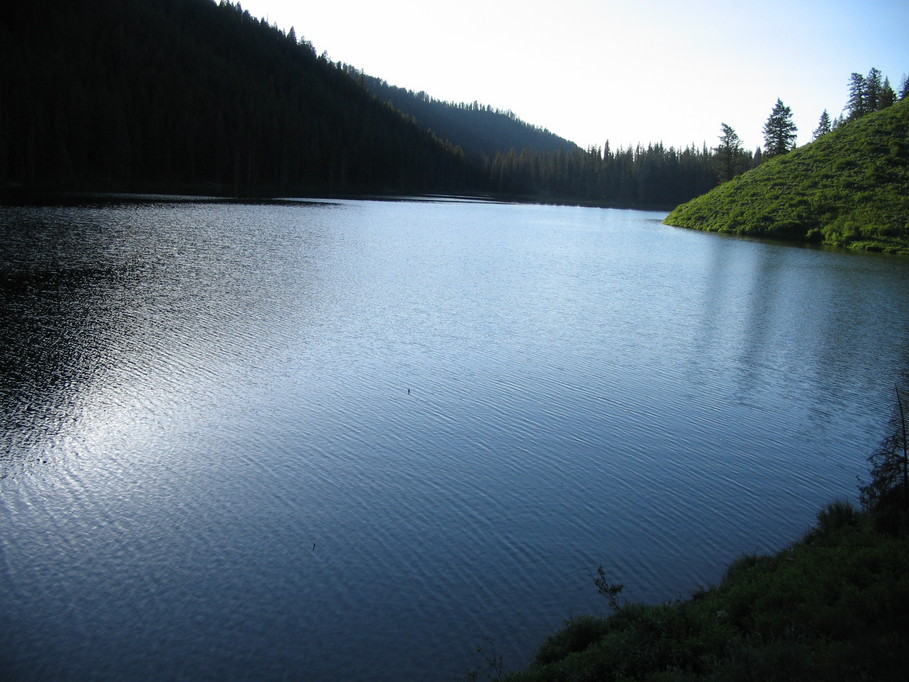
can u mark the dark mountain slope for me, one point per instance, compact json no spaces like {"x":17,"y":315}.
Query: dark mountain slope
{"x":177,"y":95}
{"x":480,"y":131}
{"x":849,"y":188}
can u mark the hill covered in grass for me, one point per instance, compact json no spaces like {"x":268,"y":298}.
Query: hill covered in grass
{"x":849,"y":188}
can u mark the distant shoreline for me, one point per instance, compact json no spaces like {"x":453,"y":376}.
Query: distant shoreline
{"x":16,"y":195}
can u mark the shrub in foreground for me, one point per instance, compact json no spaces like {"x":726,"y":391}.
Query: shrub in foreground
{"x":833,"y":606}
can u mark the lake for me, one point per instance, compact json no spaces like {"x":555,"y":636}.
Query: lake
{"x":354,"y":440}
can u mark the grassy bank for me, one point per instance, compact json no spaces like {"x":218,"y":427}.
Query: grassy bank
{"x":833,"y":606}
{"x":850,"y":188}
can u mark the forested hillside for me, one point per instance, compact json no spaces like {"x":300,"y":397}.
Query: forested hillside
{"x":177,"y":95}
{"x":520,"y":159}
{"x":479,"y":130}
{"x":848,"y":188}
{"x":190,"y":96}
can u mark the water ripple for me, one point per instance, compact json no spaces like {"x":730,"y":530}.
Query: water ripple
{"x":251,"y":441}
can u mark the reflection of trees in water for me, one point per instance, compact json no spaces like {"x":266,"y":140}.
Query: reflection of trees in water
{"x":886,"y":495}
{"x":779,"y":309}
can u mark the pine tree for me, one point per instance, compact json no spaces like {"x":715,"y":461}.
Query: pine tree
{"x":728,"y":153}
{"x":824,"y":125}
{"x":887,"y":97}
{"x":779,"y":131}
{"x":871,"y":93}
{"x":857,"y":106}
{"x":873,"y":90}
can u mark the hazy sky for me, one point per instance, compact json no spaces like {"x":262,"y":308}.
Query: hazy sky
{"x":624,"y":70}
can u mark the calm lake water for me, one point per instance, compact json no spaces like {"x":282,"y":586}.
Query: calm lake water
{"x":352,"y":440}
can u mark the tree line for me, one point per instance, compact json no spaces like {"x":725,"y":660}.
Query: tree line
{"x":867,"y":94}
{"x":664,"y":177}
{"x":654,"y":176}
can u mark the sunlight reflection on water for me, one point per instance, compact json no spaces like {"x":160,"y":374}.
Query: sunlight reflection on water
{"x":326,"y":440}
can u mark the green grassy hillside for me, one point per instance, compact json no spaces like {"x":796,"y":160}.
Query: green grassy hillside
{"x":849,"y":188}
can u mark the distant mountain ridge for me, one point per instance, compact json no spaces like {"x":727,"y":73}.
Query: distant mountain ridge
{"x":479,"y":130}
{"x":848,"y":188}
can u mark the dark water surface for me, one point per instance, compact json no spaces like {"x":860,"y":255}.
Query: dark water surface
{"x":352,"y":440}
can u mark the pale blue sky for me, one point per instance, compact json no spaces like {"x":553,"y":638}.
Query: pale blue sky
{"x":624,"y":70}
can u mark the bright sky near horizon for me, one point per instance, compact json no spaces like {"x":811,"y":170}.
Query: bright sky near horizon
{"x":627,"y":71}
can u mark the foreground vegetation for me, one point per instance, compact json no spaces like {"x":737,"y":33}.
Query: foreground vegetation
{"x":849,"y":188}
{"x":832,"y":606}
